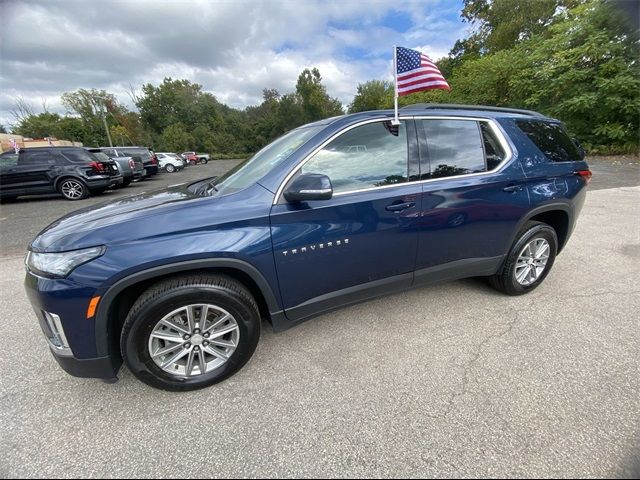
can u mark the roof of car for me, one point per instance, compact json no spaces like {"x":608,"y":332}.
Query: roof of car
{"x":437,"y":109}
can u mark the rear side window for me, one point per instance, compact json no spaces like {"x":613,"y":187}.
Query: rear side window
{"x":38,"y":158}
{"x":454,"y":147}
{"x":551,"y":139}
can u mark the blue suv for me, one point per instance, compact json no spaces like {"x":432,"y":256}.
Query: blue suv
{"x":175,"y":282}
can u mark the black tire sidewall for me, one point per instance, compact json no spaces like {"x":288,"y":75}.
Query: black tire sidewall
{"x":135,"y":345}
{"x":536,"y":231}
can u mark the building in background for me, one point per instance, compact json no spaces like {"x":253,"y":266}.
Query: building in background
{"x":26,"y":142}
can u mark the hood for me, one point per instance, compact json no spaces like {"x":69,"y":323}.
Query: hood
{"x":118,"y":220}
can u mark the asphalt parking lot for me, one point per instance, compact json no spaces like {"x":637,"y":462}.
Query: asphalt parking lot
{"x":453,"y":380}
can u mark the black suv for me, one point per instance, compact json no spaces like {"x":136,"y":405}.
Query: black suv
{"x":148,"y":158}
{"x":71,"y":171}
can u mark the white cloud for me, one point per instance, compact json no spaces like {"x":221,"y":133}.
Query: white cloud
{"x":234,"y":49}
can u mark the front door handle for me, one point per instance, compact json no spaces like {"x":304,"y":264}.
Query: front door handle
{"x":398,"y":207}
{"x":513,"y":188}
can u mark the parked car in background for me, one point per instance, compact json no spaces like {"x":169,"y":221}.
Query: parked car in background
{"x":148,"y":158}
{"x":73,"y":172}
{"x":194,"y":157}
{"x":170,"y":162}
{"x":176,"y":282}
{"x":131,"y":169}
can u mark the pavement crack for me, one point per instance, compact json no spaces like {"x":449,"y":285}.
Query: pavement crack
{"x":470,"y":364}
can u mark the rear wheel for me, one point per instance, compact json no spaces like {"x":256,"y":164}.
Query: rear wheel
{"x":203,"y":161}
{"x":73,"y":189}
{"x":190,"y":332}
{"x":529,"y":260}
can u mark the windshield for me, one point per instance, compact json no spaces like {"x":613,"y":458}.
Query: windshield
{"x":253,"y":169}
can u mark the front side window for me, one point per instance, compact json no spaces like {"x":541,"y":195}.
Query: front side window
{"x":454,"y":147}
{"x":8,"y":160}
{"x":372,"y":155}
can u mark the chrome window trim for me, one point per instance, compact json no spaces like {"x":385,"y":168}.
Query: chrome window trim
{"x":495,"y":128}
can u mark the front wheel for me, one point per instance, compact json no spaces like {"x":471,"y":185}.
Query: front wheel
{"x":170,"y":168}
{"x":190,"y":332}
{"x":529,"y":260}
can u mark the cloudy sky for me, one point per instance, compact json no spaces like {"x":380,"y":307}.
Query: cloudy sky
{"x":233,"y":48}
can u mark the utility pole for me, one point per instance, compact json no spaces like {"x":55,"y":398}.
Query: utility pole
{"x":106,"y":127}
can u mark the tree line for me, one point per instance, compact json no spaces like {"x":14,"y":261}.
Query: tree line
{"x":576,"y":60}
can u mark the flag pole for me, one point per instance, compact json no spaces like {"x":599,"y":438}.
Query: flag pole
{"x":395,"y":83}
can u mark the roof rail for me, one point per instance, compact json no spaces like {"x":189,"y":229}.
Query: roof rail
{"x":454,"y":106}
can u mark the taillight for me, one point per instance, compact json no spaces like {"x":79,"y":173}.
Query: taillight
{"x":154,"y":160}
{"x":585,"y":174}
{"x":100,"y":167}
{"x":132,"y":164}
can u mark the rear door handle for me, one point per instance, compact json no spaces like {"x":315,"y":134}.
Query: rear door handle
{"x":513,"y":188}
{"x":398,"y":207}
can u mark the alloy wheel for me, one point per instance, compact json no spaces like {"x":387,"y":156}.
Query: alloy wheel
{"x":532,"y":261}
{"x":194,"y":340}
{"x":72,"y":189}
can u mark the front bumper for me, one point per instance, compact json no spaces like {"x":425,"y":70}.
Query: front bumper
{"x":105,"y":368}
{"x":60,"y":306}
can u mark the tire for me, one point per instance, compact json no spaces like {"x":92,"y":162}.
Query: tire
{"x":161,"y":302}
{"x":509,"y":278}
{"x":203,"y":161}
{"x":73,"y":189}
{"x":170,"y":168}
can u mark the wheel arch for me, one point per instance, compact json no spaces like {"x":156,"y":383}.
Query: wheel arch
{"x":117,"y":301}
{"x":557,"y":215}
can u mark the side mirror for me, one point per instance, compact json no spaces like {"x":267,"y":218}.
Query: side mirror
{"x":309,"y":186}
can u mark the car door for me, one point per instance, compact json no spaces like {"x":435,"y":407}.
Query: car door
{"x":472,"y":198}
{"x":36,"y":170}
{"x":361,"y":242}
{"x":8,"y":178}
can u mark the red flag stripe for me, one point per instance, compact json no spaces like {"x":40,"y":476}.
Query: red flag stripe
{"x":427,"y":61}
{"x":421,"y":80}
{"x":423,"y":86}
{"x":417,"y":73}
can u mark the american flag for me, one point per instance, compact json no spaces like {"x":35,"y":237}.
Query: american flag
{"x":417,"y":72}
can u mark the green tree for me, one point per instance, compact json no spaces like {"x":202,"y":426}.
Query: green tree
{"x":175,"y":138}
{"x":373,"y":95}
{"x":586,"y":73}
{"x":316,"y":103}
{"x":44,"y":124}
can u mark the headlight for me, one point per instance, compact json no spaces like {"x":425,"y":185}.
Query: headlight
{"x":60,"y":264}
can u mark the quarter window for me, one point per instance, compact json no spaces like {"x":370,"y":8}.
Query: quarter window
{"x":551,"y":139}
{"x":372,"y":155}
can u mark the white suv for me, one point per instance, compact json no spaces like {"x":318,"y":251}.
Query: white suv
{"x":170,"y":162}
